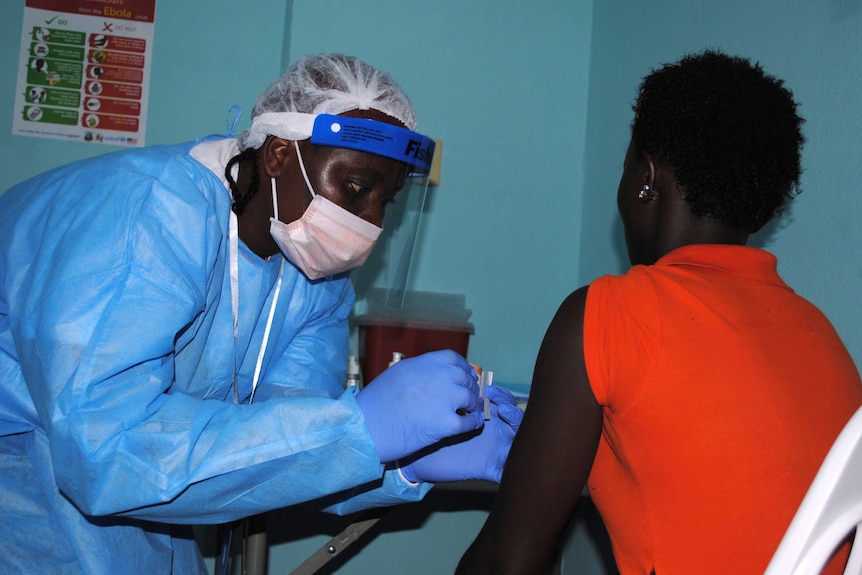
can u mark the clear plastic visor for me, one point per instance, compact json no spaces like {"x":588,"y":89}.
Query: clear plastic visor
{"x":388,"y":266}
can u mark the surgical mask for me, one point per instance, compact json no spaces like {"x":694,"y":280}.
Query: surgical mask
{"x":327,"y":239}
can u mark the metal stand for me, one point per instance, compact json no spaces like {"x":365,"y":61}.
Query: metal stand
{"x":254,"y":548}
{"x":335,"y":546}
{"x":254,"y":553}
{"x":254,"y":556}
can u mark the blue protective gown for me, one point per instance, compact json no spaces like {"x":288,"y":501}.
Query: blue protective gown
{"x":118,"y":427}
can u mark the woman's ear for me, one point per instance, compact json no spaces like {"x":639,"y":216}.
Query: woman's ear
{"x":649,"y":169}
{"x":275,"y":155}
{"x":648,"y":175}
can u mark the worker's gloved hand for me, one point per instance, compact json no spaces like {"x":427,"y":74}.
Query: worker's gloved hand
{"x":473,"y":456}
{"x":412,"y":404}
{"x":506,"y":405}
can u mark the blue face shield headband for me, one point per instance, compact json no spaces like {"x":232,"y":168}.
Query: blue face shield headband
{"x":375,"y":137}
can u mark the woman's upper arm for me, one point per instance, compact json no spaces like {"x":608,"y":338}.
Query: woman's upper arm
{"x":551,"y":456}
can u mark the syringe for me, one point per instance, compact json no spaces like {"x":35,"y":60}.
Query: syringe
{"x":485,"y":379}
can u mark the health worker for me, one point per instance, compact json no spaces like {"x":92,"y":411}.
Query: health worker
{"x":173,"y":337}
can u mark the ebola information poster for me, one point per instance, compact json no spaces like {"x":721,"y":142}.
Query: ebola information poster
{"x":84,"y":70}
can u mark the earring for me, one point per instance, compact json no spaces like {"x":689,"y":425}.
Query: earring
{"x":647,"y":193}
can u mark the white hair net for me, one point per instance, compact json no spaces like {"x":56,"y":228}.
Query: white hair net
{"x":323,"y":84}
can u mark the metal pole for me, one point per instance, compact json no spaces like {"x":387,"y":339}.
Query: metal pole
{"x":254,"y":554}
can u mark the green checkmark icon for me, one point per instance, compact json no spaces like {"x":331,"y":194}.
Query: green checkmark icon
{"x":51,"y":20}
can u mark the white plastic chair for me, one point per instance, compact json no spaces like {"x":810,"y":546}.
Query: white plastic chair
{"x":831,"y":510}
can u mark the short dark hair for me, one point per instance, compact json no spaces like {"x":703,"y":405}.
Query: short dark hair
{"x":730,"y":131}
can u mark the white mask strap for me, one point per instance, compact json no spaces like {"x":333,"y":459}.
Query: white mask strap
{"x":304,"y":175}
{"x":274,"y":198}
{"x":302,"y":167}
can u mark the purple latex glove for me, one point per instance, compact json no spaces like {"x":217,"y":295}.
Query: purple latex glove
{"x":476,"y":456}
{"x":413,"y":404}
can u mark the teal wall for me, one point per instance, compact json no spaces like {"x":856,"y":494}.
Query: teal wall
{"x":531,"y":101}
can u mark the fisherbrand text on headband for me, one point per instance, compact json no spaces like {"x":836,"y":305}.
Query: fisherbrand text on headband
{"x":381,"y":138}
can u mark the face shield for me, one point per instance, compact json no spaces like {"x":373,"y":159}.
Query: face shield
{"x":389,"y":264}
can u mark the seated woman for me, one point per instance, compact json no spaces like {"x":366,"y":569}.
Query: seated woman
{"x":696,"y":395}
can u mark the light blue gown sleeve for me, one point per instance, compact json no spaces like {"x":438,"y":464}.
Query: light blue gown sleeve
{"x":313,"y":365}
{"x":106,"y":295}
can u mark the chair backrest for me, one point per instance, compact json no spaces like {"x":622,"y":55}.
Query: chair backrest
{"x":830,"y":511}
